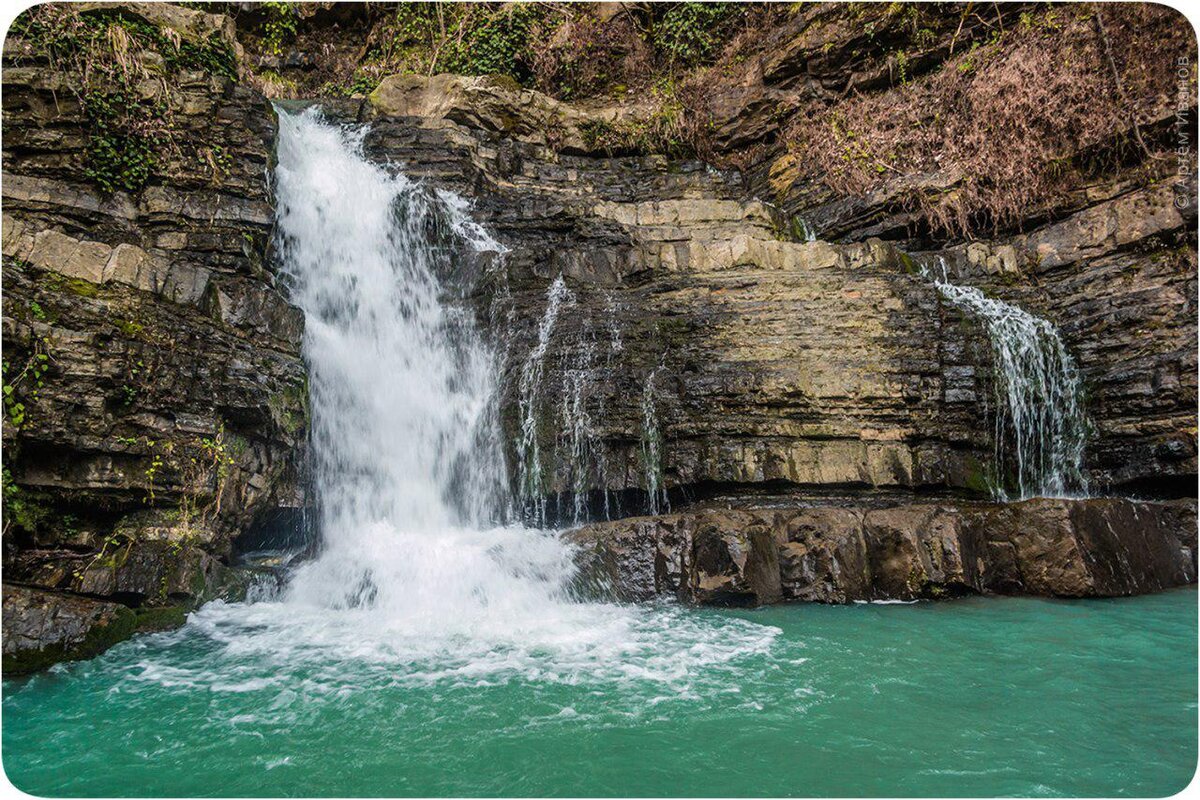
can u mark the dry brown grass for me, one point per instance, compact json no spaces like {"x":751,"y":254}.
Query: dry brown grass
{"x":577,"y":54}
{"x":1009,"y":118}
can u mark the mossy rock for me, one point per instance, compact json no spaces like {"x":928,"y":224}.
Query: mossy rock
{"x":42,"y":628}
{"x":160,"y":619}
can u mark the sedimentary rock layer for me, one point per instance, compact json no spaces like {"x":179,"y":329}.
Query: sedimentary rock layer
{"x":839,"y":554}
{"x":154,"y":392}
{"x":777,"y":360}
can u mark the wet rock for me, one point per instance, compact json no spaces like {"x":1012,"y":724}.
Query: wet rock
{"x":1070,"y":548}
{"x":42,"y":628}
{"x":173,"y":372}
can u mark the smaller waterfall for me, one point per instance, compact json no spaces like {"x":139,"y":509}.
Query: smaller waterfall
{"x":531,"y":490}
{"x":656,"y":493}
{"x":1040,"y":426}
{"x":568,"y":415}
{"x":806,"y":232}
{"x":579,"y":456}
{"x":612,"y":309}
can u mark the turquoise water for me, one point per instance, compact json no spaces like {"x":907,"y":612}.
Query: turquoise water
{"x":971,"y":697}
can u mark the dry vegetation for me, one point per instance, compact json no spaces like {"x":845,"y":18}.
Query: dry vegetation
{"x":1029,"y":115}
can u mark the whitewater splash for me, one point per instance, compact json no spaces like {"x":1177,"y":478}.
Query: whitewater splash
{"x":1040,"y":425}
{"x":418,"y":571}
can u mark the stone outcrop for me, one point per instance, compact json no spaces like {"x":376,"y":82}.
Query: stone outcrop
{"x":42,"y":628}
{"x":840,"y":554}
{"x":155,"y":397}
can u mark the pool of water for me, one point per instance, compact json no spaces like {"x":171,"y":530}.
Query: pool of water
{"x":981,"y":696}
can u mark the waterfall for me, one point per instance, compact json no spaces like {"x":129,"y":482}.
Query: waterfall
{"x":408,"y":469}
{"x":420,"y":579}
{"x":531,"y":488}
{"x":1040,"y":426}
{"x":576,"y":467}
{"x":577,"y":447}
{"x":656,"y":493}
{"x":805,"y":232}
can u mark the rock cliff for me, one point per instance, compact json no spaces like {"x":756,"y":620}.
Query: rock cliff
{"x":761,"y":360}
{"x":154,"y":392}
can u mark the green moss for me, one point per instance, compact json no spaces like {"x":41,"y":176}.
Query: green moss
{"x":129,"y":327}
{"x":976,"y":477}
{"x":160,"y":619}
{"x":672,"y":332}
{"x":99,"y":638}
{"x":25,"y":510}
{"x":289,"y":408}
{"x":76,"y":286}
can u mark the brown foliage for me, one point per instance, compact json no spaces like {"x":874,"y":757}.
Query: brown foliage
{"x":1007,"y":119}
{"x":582,"y":55}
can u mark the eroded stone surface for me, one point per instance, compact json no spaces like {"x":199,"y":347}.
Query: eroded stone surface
{"x":1069,"y":548}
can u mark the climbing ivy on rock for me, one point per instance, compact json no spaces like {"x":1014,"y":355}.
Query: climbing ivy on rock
{"x":689,"y":34}
{"x":121,"y":68}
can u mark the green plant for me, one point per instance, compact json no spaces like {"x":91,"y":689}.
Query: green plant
{"x":495,"y":43}
{"x":21,"y":509}
{"x":25,"y":384}
{"x":103,"y":558}
{"x":280,"y":26}
{"x":151,"y":471}
{"x":689,"y":33}
{"x":129,"y":389}
{"x":108,"y":56}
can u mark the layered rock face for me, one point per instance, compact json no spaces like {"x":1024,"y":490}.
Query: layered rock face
{"x":154,"y":392}
{"x":667,"y":335}
{"x":690,"y":321}
{"x":667,"y":331}
{"x":698,"y":342}
{"x":1110,"y":258}
{"x":840,"y":554}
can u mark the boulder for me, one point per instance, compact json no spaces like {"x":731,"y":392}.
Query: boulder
{"x":41,"y":627}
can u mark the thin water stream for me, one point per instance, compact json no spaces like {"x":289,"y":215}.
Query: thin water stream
{"x":1040,"y":428}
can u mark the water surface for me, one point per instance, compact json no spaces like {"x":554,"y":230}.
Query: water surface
{"x":971,"y":697}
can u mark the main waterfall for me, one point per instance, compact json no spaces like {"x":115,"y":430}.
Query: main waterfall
{"x":419,"y":571}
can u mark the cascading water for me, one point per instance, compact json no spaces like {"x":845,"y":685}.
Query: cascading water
{"x":656,"y":492}
{"x":577,"y":447}
{"x":1040,"y":426}
{"x":401,"y":385}
{"x":418,"y":580}
{"x":577,"y":463}
{"x":529,"y":456}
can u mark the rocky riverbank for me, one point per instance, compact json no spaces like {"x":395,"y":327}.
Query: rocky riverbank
{"x":845,"y":553}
